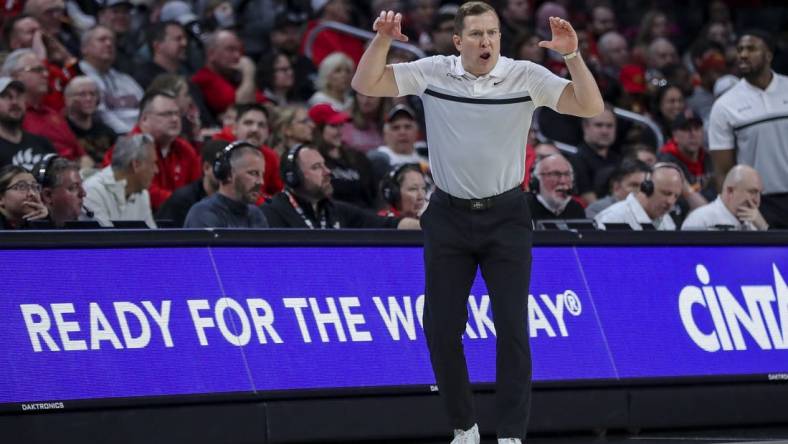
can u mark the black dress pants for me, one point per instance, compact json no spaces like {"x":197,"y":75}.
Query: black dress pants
{"x":460,"y":236}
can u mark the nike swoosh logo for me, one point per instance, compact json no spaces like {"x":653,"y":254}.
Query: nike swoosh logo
{"x":497,"y":83}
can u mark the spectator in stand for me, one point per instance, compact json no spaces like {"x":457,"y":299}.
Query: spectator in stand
{"x":642,"y":152}
{"x":651,"y":204}
{"x":119,"y":192}
{"x":18,"y":147}
{"x":603,"y":20}
{"x":239,"y":169}
{"x":20,"y":198}
{"x":293,"y":126}
{"x":333,"y":82}
{"x":61,"y":189}
{"x":653,"y":25}
{"x":228,"y":76}
{"x":307,"y":200}
{"x":735,"y":208}
{"x":191,"y":119}
{"x":351,"y":171}
{"x":746,"y":125}
{"x":667,"y":103}
{"x":275,"y":77}
{"x":51,"y":15}
{"x":285,"y":38}
{"x":25,"y":32}
{"x":120,"y":93}
{"x":329,"y":41}
{"x":533,"y":155}
{"x":525,"y":46}
{"x":709,"y":61}
{"x":404,"y":192}
{"x":613,"y":53}
{"x":419,"y":19}
{"x":515,"y":20}
{"x":443,"y":30}
{"x":181,"y":200}
{"x":660,"y":54}
{"x":216,"y":15}
{"x":257,"y":19}
{"x":116,"y":15}
{"x":82,"y":97}
{"x":25,"y":66}
{"x":400,"y":133}
{"x":624,"y":179}
{"x":686,"y":150}
{"x":551,"y":190}
{"x":595,"y":152}
{"x":364,"y":132}
{"x":252,"y":125}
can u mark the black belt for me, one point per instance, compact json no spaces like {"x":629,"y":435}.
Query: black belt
{"x":477,"y":204}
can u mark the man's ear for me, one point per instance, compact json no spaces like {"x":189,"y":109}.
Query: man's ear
{"x":457,"y":42}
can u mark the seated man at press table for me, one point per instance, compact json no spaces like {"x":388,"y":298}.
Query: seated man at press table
{"x":651,"y":204}
{"x":306,"y":201}
{"x":551,"y":190}
{"x":239,"y":168}
{"x":736,"y":208}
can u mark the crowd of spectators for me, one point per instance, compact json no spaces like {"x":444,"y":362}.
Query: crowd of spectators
{"x":143,"y":99}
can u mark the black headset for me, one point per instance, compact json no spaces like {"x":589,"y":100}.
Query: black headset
{"x":647,"y":186}
{"x":292,"y":175}
{"x":41,"y":171}
{"x":533,"y":182}
{"x":389,"y":186}
{"x":221,"y":164}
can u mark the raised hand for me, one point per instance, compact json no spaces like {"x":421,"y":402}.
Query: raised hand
{"x":390,"y":24}
{"x":564,"y":37}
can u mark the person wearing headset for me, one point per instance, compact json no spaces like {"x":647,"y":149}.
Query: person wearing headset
{"x":239,"y":168}
{"x":551,"y":188}
{"x":651,"y":204}
{"x":404,"y":191}
{"x":61,"y":190}
{"x":306,"y":201}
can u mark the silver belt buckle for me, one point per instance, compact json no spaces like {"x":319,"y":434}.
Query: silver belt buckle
{"x":478,"y":204}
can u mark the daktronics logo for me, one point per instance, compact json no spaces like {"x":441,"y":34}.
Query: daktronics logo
{"x":763,"y":314}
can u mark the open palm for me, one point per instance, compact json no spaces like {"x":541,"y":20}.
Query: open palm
{"x":390,"y":24}
{"x":564,"y":36}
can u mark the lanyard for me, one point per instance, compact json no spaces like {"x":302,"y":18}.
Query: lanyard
{"x":300,"y":211}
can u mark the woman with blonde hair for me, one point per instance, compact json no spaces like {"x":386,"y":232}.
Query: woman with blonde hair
{"x":333,"y":82}
{"x":292,"y":125}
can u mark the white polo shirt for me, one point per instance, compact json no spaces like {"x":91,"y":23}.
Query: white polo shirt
{"x":714,"y":213}
{"x":755,"y":122}
{"x":477,"y":126}
{"x":629,"y":211}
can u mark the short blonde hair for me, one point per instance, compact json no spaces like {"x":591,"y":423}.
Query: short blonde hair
{"x":329,"y":65}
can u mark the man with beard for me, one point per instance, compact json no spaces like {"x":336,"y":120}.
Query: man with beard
{"x":651,"y":204}
{"x":61,"y":189}
{"x":749,"y":126}
{"x":18,"y":147}
{"x":551,"y":190}
{"x":307,"y":203}
{"x":239,"y":169}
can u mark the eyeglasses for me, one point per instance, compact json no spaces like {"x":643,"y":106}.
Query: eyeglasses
{"x":25,"y":187}
{"x":40,"y":69}
{"x":557,"y":174}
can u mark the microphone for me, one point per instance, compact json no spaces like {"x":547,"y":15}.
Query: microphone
{"x":87,"y":211}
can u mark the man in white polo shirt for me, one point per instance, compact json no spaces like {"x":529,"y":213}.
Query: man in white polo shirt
{"x":478,"y":109}
{"x":735,"y":208}
{"x":651,"y":204}
{"x":749,"y":125}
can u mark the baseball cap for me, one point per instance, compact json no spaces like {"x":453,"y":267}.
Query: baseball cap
{"x":111,"y":3}
{"x":325,"y":114}
{"x":286,"y":19}
{"x":6,"y":82}
{"x":686,"y":120}
{"x":179,"y":11}
{"x":400,"y":109}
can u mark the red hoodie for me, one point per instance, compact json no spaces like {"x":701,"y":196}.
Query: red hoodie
{"x":272,"y":183}
{"x":181,"y":167}
{"x":695,"y":167}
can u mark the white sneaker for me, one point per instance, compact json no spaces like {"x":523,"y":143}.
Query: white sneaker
{"x":470,"y":436}
{"x":509,"y":441}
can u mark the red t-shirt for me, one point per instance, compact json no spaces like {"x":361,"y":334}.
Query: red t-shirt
{"x":181,"y":167}
{"x":272,"y":182}
{"x":328,"y":41}
{"x":219,"y":92}
{"x":44,"y":121}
